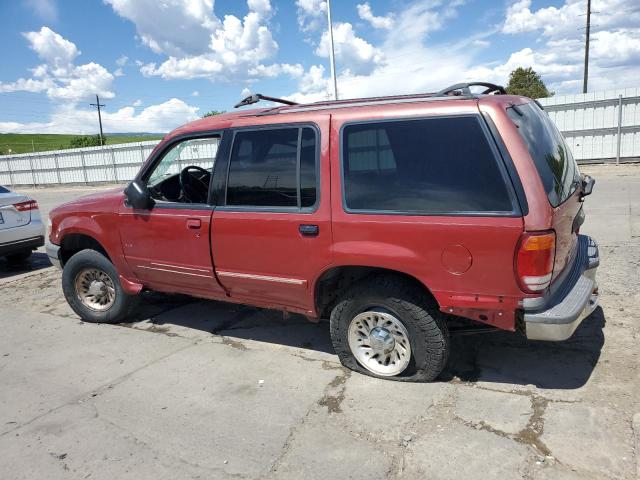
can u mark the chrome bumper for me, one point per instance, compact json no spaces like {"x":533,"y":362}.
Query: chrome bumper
{"x":572,"y":302}
{"x":53,"y":252}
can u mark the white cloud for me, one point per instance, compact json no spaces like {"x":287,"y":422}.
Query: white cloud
{"x":45,"y":9}
{"x":69,"y":119}
{"x":118,"y":73}
{"x":312,"y":14}
{"x":52,"y":47}
{"x":394,"y":67}
{"x":59,"y":77}
{"x":137,"y":103}
{"x":195,"y":93}
{"x":245,"y":92}
{"x":352,"y":53}
{"x":122,"y":60}
{"x":173,"y":27}
{"x":235,"y":49}
{"x":365,"y":13}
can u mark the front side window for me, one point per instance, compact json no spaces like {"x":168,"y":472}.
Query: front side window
{"x":425,"y":166}
{"x":553,"y":159}
{"x":273,"y":168}
{"x":183,"y":173}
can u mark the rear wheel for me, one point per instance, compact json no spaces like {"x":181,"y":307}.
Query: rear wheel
{"x":387,"y":327}
{"x":19,"y":257}
{"x":92,"y":288}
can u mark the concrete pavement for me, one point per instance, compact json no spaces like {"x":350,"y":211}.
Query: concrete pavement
{"x":196,"y":389}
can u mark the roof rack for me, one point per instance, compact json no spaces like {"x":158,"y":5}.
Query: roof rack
{"x":255,"y":98}
{"x":460,"y":91}
{"x":464,"y":89}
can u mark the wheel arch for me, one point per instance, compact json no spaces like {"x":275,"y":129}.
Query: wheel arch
{"x":72,"y":243}
{"x":332,"y":281}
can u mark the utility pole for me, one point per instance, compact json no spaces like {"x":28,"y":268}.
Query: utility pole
{"x":98,"y":105}
{"x":586,"y":48}
{"x":331,"y":52}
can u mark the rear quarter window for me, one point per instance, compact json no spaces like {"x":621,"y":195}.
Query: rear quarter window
{"x":553,"y":159}
{"x":439,"y":165}
{"x":3,"y":190}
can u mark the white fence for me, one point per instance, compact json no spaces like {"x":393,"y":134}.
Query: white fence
{"x":599,"y":127}
{"x":111,"y":163}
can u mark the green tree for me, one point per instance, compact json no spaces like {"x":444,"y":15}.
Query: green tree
{"x":212,"y":113}
{"x":526,"y":82}
{"x":86,"y":141}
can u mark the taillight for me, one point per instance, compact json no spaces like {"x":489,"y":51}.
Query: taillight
{"x":534,"y":261}
{"x":26,"y":206}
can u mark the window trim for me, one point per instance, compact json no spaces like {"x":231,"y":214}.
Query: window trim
{"x":156,"y":157}
{"x":222,"y":204}
{"x":514,"y":212}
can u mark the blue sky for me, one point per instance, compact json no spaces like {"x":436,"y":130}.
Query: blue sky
{"x":159,"y":63}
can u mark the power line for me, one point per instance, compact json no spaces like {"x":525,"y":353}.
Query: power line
{"x":98,"y":105}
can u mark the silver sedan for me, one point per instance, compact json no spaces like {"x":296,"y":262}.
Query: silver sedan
{"x":21,"y":228}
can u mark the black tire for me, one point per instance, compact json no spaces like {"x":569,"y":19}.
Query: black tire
{"x":19,"y":257}
{"x":123,"y":304}
{"x":425,"y":324}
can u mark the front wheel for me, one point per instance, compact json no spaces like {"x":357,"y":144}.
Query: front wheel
{"x":387,"y":327}
{"x":92,"y":288}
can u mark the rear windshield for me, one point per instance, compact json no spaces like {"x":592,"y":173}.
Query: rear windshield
{"x":3,"y":190}
{"x":550,"y":153}
{"x":424,"y":166}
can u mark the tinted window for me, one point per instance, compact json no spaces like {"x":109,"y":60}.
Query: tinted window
{"x":308,"y":168}
{"x":554,"y":162}
{"x":3,"y":190}
{"x":264,"y":168}
{"x":437,"y":165}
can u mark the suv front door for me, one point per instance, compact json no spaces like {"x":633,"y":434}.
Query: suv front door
{"x":271,"y":229}
{"x":168,"y":247}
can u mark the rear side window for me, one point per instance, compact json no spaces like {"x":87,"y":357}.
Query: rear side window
{"x":3,"y":190}
{"x":555,"y":164}
{"x":426,"y":166}
{"x":273,"y":168}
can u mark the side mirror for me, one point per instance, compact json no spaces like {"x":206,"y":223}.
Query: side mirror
{"x":587,"y":185}
{"x":138,"y":196}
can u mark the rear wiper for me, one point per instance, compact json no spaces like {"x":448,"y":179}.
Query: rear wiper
{"x":255,"y":98}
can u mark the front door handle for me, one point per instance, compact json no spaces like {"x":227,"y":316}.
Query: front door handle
{"x":193,"y":223}
{"x":309,"y":230}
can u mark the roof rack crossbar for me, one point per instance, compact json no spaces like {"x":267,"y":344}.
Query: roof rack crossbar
{"x":465,"y":89}
{"x":255,"y":98}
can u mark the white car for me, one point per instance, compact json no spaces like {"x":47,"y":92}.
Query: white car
{"x":21,"y":228}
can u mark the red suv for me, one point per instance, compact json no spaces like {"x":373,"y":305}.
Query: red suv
{"x":392,"y":216}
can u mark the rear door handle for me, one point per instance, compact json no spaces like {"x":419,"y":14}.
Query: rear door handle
{"x":309,"y":230}
{"x":193,"y":223}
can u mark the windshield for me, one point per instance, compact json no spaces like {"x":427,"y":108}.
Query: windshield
{"x":553,"y":159}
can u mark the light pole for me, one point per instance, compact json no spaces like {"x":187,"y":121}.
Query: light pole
{"x":332,"y":53}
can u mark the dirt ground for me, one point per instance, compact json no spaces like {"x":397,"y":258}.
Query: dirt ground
{"x":196,"y":389}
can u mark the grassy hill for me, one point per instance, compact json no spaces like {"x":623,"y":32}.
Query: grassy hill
{"x":29,"y":142}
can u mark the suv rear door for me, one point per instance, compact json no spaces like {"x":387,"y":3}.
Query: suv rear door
{"x":271,"y":228}
{"x":559,"y":175}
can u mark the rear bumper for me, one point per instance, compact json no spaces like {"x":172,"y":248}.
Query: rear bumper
{"x":560,"y":314}
{"x":53,"y":252}
{"x":16,"y":246}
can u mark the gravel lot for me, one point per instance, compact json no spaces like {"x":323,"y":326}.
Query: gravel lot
{"x":195,"y":389}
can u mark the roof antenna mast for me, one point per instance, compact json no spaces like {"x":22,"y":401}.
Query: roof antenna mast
{"x":332,"y":57}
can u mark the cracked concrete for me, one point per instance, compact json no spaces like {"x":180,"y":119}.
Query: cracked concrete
{"x":194,"y":389}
